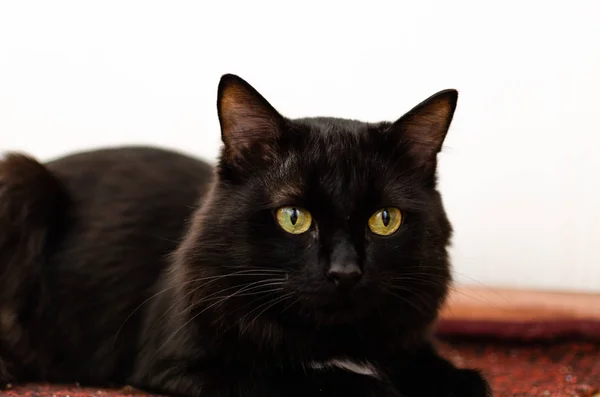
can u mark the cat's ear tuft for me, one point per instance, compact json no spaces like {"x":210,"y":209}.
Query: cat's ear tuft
{"x":250,"y":126}
{"x":424,"y":128}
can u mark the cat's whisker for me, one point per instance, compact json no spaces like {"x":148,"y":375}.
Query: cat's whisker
{"x":430,"y":276}
{"x":475,"y":298}
{"x":243,"y":307}
{"x":260,"y":292}
{"x":155,"y":296}
{"x":245,"y":289}
{"x":289,"y":306}
{"x":429,"y":301}
{"x":245,"y":272}
{"x":427,"y":278}
{"x":441,"y":284}
{"x":166,"y":341}
{"x":210,"y":297}
{"x":269,"y":304}
{"x":487,"y":287}
{"x":254,"y":268}
{"x":407,"y":301}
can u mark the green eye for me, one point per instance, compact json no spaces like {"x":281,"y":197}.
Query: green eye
{"x":385,"y":221}
{"x":294,"y":220}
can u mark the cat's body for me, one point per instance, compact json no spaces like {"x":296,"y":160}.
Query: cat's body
{"x":115,"y":215}
{"x":117,"y":278}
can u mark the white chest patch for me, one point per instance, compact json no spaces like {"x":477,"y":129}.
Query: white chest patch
{"x":361,"y":368}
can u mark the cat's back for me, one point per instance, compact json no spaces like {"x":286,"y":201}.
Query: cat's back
{"x":128,"y":197}
{"x":130,"y":166}
{"x":118,"y":185}
{"x":88,"y":200}
{"x":135,"y":163}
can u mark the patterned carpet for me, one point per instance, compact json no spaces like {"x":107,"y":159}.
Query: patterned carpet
{"x":556,"y":369}
{"x":515,"y":369}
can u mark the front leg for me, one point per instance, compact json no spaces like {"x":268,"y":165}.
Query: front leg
{"x":426,"y":374}
{"x":6,"y":375}
{"x":236,"y":382}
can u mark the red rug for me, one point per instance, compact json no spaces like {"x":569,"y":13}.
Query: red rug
{"x":526,"y":369}
{"x":515,"y":369}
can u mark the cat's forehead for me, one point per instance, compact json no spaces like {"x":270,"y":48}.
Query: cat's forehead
{"x":326,"y":185}
{"x":344,"y":181}
{"x":343,"y":165}
{"x":328,"y":142}
{"x":327,"y":126}
{"x":335,"y":163}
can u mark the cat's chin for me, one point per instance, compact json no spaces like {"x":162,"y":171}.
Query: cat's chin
{"x":340,"y":316}
{"x":339,"y":310}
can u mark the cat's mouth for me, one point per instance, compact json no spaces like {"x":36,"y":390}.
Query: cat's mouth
{"x":341,"y":306}
{"x":341,"y":314}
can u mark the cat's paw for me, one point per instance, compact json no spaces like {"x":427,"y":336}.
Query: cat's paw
{"x":5,"y":375}
{"x":468,"y":383}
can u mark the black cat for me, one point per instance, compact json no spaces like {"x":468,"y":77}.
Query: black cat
{"x":311,"y":261}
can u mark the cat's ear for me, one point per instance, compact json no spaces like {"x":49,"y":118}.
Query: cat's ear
{"x":423,"y":129}
{"x":250,"y":126}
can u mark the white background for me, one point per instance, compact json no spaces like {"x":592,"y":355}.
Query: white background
{"x":519,"y":172}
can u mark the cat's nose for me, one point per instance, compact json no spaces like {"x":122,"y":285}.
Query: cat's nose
{"x":344,"y":274}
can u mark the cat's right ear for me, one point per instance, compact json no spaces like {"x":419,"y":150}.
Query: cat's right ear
{"x":423,"y":129}
{"x":250,"y":126}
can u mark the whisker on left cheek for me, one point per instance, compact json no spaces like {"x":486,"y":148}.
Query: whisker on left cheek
{"x":429,"y":302}
{"x":268,"y":304}
{"x":212,"y":296}
{"x":289,"y":306}
{"x":436,"y":280}
{"x":407,"y":301}
{"x":453,"y":271}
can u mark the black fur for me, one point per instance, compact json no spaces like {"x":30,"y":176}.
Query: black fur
{"x":144,"y":266}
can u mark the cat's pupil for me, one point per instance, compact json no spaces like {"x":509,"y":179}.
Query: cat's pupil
{"x":385,"y":217}
{"x":294,"y":216}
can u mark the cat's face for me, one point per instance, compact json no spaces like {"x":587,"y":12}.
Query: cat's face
{"x":327,"y":220}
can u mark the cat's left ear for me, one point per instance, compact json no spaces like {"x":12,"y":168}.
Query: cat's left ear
{"x":250,"y":126}
{"x":423,"y":129}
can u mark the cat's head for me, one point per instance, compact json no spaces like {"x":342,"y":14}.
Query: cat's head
{"x":322,"y":219}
